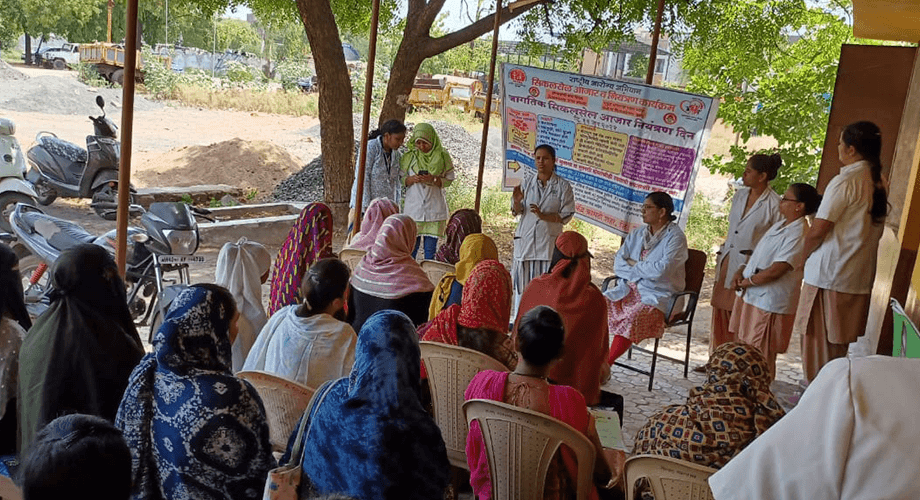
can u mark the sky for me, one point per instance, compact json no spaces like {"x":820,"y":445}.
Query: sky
{"x":455,"y":18}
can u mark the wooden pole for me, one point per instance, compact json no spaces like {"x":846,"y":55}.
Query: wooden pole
{"x":488,"y":110}
{"x":368,"y":93}
{"x":127,"y":126}
{"x":654,"y":55}
{"x":108,"y":36}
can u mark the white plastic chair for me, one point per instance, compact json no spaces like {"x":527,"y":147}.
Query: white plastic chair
{"x":436,"y":269}
{"x":670,"y":478}
{"x":351,"y":257}
{"x":520,"y":444}
{"x":284,"y":400}
{"x":450,"y":369}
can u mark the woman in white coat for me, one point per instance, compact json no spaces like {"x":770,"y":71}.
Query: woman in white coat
{"x":545,"y":203}
{"x":755,"y":208}
{"x":427,"y":171}
{"x":650,"y":265}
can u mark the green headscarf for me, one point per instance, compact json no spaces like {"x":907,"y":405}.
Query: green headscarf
{"x":436,"y":161}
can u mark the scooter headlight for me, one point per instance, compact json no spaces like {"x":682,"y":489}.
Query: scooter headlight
{"x":182,"y":242}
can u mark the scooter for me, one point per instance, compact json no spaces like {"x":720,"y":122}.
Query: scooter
{"x":61,"y":168}
{"x":13,"y":187}
{"x":166,"y":242}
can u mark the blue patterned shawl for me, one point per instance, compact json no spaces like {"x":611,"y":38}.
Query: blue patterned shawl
{"x":370,"y":438}
{"x":195,"y":431}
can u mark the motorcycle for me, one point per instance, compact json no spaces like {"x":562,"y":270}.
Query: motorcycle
{"x":61,"y":168}
{"x":13,"y":187}
{"x":166,"y":243}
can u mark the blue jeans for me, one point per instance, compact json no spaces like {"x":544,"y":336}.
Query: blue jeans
{"x":431,"y":246}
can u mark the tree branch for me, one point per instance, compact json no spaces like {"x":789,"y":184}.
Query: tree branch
{"x":416,"y":7}
{"x":430,"y":13}
{"x":474,"y":30}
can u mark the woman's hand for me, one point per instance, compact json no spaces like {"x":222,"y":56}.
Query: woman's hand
{"x":736,"y":279}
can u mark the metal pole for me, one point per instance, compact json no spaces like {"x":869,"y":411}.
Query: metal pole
{"x":654,"y":55}
{"x":488,"y":110}
{"x":368,"y":92}
{"x":127,"y":125}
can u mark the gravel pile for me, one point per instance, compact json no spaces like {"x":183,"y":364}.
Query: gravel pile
{"x":7,"y":72}
{"x":63,"y":96}
{"x":307,"y":185}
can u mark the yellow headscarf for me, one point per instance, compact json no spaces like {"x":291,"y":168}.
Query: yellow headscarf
{"x":475,"y":248}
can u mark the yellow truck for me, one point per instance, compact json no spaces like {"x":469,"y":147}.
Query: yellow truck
{"x":109,"y":59}
{"x":441,"y":91}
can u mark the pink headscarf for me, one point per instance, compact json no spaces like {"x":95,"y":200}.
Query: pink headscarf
{"x":388,"y":270}
{"x":376,"y":213}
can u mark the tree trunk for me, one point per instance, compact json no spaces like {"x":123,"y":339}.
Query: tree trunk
{"x":335,"y":104}
{"x":406,"y":64}
{"x":28,"y":48}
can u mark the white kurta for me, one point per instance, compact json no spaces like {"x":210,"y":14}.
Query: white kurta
{"x":309,"y":350}
{"x":746,"y":229}
{"x":779,"y":244}
{"x":850,"y":437}
{"x":845,"y":260}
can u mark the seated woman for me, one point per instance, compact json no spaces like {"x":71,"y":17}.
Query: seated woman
{"x":540,"y":338}
{"x":461,"y":224}
{"x":369,"y":436}
{"x":78,"y":355}
{"x":721,"y":417}
{"x":195,"y":430}
{"x":241,"y":268}
{"x":14,"y":321}
{"x":650,"y":265}
{"x":77,"y":456}
{"x":480,"y":321}
{"x":377,"y":212}
{"x":389,"y":278}
{"x":474,"y":249}
{"x":308,"y":241}
{"x":567,"y":288}
{"x":763,"y":316}
{"x":310,"y":343}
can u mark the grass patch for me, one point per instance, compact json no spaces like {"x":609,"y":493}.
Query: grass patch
{"x":279,"y":102}
{"x":12,"y":55}
{"x":706,"y":228}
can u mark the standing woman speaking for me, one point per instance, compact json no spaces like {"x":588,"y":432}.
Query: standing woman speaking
{"x":545,"y":203}
{"x":841,"y":248}
{"x":381,"y":171}
{"x":755,"y":208}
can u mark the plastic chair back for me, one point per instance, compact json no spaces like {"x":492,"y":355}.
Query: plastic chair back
{"x":520,"y":444}
{"x":351,"y":257}
{"x":906,"y":336}
{"x":450,"y":369}
{"x":436,"y":269}
{"x":670,"y":478}
{"x":284,"y":400}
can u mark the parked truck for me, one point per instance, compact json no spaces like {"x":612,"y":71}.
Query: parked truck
{"x":58,"y":57}
{"x":109,"y":59}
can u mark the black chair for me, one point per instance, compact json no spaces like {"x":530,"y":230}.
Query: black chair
{"x":695,"y":269}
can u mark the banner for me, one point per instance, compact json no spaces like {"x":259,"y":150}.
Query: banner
{"x":615,"y":141}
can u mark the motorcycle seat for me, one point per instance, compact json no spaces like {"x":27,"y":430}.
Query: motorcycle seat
{"x":62,"y":148}
{"x":59,"y":233}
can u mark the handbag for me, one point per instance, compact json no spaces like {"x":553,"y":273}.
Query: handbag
{"x":283,"y":483}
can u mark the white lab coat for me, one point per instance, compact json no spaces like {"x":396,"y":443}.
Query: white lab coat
{"x":657,"y":277}
{"x":744,"y":231}
{"x":535,"y":239}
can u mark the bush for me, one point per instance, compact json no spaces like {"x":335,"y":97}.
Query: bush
{"x":288,"y":72}
{"x":88,"y":74}
{"x":238,"y":72}
{"x":706,"y":227}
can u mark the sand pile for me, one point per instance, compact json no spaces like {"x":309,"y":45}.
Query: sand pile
{"x":258,"y":165}
{"x":62,"y":95}
{"x":7,"y":72}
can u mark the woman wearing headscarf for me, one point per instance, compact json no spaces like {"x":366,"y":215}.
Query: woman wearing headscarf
{"x":195,"y":430}
{"x":475,"y":249}
{"x":242,"y":268}
{"x":461,"y":224}
{"x":78,"y":355}
{"x":480,"y":321}
{"x":369,"y":436}
{"x":427,"y":171}
{"x":720,"y":417}
{"x":308,"y":241}
{"x":650,"y":268}
{"x":377,"y":212}
{"x":567,"y":288}
{"x":14,"y":322}
{"x":389,"y":278}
